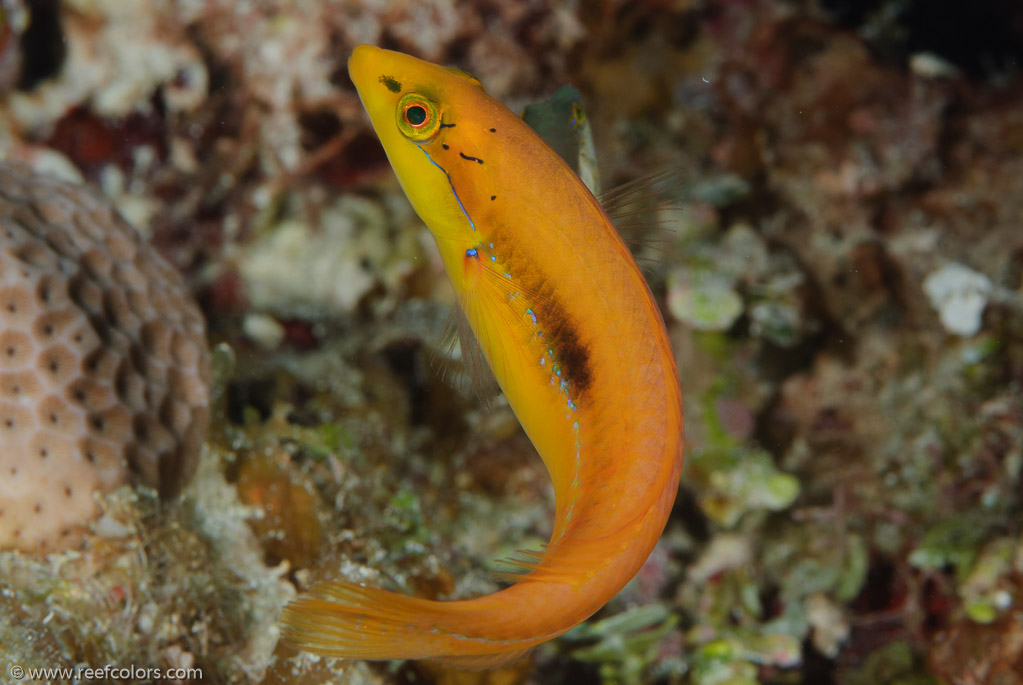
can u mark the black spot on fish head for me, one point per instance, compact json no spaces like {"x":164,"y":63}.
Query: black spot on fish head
{"x":390,"y":84}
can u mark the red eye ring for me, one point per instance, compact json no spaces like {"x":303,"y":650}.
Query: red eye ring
{"x":416,"y":115}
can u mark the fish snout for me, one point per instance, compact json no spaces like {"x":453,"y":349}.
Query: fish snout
{"x":361,"y":65}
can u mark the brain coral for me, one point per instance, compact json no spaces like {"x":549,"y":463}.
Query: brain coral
{"x":104,"y":369}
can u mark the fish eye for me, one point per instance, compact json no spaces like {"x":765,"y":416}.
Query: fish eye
{"x":578,"y":116}
{"x":415,"y":115}
{"x":418,"y":117}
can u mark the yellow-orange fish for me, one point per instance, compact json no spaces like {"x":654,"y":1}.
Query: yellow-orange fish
{"x":576,"y":342}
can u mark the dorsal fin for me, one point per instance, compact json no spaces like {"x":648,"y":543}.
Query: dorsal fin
{"x":646,"y":211}
{"x":467,"y":76}
{"x":664,"y":189}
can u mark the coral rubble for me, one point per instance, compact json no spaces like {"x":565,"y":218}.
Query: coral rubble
{"x":842,"y":280}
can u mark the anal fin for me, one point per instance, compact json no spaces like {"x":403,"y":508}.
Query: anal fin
{"x":480,"y":662}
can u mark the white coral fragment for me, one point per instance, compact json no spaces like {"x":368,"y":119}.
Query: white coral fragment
{"x":959,"y":294}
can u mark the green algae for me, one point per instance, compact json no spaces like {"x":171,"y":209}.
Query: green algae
{"x":624,"y":645}
{"x":895,"y":664}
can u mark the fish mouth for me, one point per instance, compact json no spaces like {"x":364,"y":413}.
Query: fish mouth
{"x":360,"y":65}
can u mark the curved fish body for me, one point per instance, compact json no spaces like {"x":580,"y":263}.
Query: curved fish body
{"x":570,"y":329}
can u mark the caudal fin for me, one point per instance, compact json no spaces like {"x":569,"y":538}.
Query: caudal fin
{"x":355,"y":622}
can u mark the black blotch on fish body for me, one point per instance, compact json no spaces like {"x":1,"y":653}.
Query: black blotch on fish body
{"x":471,"y":159}
{"x":445,"y":146}
{"x":572,"y":354}
{"x":443,"y":125}
{"x":390,"y":84}
{"x":493,"y":130}
{"x":493,"y":197}
{"x":561,"y":334}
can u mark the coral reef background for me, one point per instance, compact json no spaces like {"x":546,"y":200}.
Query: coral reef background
{"x":842,"y":280}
